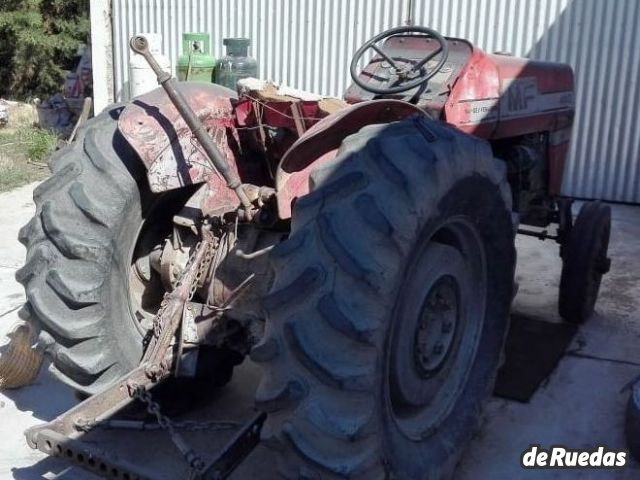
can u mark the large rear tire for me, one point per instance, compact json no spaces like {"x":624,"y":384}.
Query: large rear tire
{"x":80,"y":244}
{"x":388,"y":313}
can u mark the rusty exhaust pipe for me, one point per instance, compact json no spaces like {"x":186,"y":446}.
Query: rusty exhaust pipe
{"x":140,"y":45}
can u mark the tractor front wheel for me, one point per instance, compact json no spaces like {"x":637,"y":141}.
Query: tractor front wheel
{"x":584,"y":262}
{"x":390,"y":305}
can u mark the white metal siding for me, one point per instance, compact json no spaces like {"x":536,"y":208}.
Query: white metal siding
{"x":308,"y":44}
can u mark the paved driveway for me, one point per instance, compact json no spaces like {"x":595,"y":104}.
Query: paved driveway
{"x":580,"y":406}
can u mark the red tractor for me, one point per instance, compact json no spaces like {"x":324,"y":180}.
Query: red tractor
{"x":362,"y":253}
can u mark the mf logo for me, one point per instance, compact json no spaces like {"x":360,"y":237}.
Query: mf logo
{"x":521,"y":95}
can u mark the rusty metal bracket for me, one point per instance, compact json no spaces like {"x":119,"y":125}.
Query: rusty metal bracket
{"x":89,"y":457}
{"x":110,"y":465}
{"x":61,"y":436}
{"x":240,"y":446}
{"x":84,"y":416}
{"x":154,"y":368}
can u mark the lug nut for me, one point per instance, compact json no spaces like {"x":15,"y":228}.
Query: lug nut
{"x":447,"y":327}
{"x":438,"y":349}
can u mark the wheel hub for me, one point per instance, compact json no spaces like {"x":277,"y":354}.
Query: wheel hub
{"x":436,"y":326}
{"x":154,"y":262}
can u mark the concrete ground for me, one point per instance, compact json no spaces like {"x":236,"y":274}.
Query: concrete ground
{"x":580,"y":406}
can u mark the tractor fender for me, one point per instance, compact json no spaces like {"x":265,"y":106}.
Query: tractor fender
{"x":167,"y":147}
{"x":320,"y":144}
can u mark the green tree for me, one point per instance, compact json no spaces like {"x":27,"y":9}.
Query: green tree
{"x":38,"y":42}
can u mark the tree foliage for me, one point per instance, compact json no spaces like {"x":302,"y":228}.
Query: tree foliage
{"x":38,"y":42}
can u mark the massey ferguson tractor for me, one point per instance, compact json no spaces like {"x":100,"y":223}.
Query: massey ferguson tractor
{"x":360,"y":251}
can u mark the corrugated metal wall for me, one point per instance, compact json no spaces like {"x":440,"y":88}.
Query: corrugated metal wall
{"x":309,"y":43}
{"x":304,"y":43}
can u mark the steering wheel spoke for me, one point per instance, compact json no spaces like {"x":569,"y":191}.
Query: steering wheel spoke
{"x":404,"y":80}
{"x":383,"y":54}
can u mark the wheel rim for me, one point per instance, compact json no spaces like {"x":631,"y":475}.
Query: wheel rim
{"x":144,"y":281}
{"x":436,"y":328}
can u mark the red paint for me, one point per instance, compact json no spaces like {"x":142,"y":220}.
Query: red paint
{"x":518,"y":97}
{"x":494,"y":79}
{"x":489,"y":96}
{"x":478,"y":80}
{"x":322,"y":141}
{"x":296,"y":183}
{"x":166,"y":145}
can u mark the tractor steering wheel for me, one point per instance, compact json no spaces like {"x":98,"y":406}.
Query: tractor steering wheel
{"x":407,"y":72}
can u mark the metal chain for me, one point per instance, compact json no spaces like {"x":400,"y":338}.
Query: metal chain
{"x":139,"y":392}
{"x":184,"y":425}
{"x":194,"y":460}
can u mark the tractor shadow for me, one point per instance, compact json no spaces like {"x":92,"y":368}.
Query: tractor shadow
{"x":538,"y":338}
{"x":45,"y":398}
